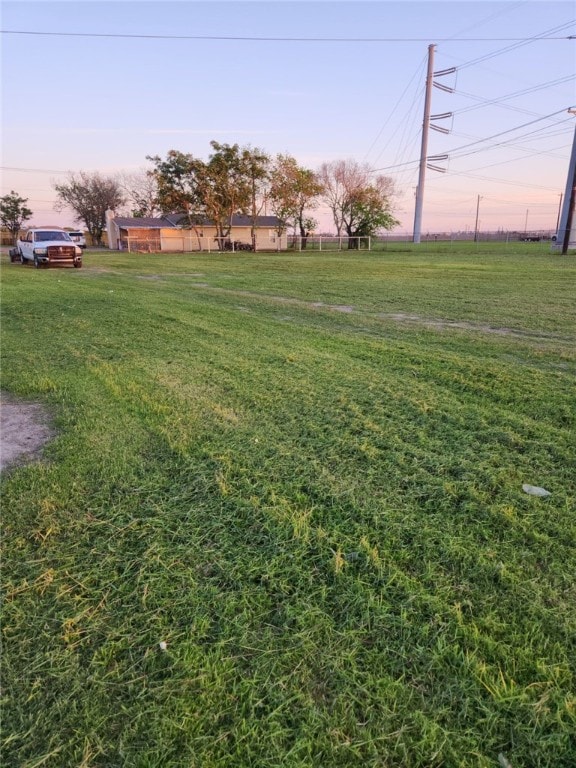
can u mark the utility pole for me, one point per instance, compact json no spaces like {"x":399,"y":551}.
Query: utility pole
{"x":424,"y":146}
{"x":566,"y":219}
{"x":559,"y":211}
{"x":476,"y":225}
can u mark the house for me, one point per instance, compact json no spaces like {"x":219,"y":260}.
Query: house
{"x":170,"y":234}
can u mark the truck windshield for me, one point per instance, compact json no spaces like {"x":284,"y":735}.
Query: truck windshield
{"x":43,"y":237}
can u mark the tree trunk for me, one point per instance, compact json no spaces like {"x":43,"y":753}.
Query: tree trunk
{"x":220,"y":237}
{"x":304,"y":237}
{"x":195,"y":229}
{"x":96,"y":235}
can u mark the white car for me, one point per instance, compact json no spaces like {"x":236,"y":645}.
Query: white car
{"x":78,"y":237}
{"x":49,"y":247}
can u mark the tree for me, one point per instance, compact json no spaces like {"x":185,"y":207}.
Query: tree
{"x":176,"y":183}
{"x":334,"y":179}
{"x":257,"y":167}
{"x":216,"y":189}
{"x":90,"y":195}
{"x":13,"y":213}
{"x":360,"y":202}
{"x":225,"y":187}
{"x":178,"y":190}
{"x":141,"y":190}
{"x":293,"y":192}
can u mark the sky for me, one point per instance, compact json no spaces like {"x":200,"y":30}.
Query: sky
{"x":115,"y":82}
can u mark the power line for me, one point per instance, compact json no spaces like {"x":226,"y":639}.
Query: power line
{"x":503,"y":162}
{"x":243,"y":38}
{"x":479,"y":141}
{"x":499,"y":12}
{"x":520,"y":43}
{"x":526,"y":185}
{"x":453,"y":152}
{"x":394,"y":108}
{"x":519,"y":148}
{"x":498,"y":101}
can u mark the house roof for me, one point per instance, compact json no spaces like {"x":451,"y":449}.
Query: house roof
{"x":174,"y":220}
{"x":144,"y":222}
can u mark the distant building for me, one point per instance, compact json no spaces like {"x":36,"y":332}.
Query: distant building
{"x":170,"y":234}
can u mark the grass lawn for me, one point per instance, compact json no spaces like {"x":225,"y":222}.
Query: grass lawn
{"x":302,"y":473}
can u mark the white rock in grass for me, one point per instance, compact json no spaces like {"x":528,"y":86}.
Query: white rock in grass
{"x":534,"y":490}
{"x":162,"y":645}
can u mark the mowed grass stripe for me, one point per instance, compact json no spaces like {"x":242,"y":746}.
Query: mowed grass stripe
{"x":319,"y":511}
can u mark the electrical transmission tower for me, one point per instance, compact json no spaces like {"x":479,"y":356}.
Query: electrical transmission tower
{"x":566,"y":221}
{"x":429,"y":161}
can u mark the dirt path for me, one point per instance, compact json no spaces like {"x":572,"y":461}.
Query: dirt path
{"x":24,"y":430}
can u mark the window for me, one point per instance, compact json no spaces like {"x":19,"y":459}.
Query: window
{"x":43,"y":237}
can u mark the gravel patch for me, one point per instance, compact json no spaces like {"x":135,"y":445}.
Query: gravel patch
{"x":24,"y":430}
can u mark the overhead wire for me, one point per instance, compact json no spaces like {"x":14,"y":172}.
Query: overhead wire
{"x":395,"y":107}
{"x":507,"y":182}
{"x":546,"y":35}
{"x":403,"y":166}
{"x":509,"y":7}
{"x":480,"y":141}
{"x":517,"y":142}
{"x":407,"y":137}
{"x":266,"y":39}
{"x":457,"y":152}
{"x":499,"y":101}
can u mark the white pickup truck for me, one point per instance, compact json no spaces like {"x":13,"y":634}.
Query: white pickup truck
{"x":49,"y":247}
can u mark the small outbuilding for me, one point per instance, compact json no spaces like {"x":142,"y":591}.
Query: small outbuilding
{"x":172,"y":233}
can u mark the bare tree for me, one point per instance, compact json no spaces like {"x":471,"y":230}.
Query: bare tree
{"x":90,"y":195}
{"x":331,"y":175}
{"x":141,"y":190}
{"x":360,"y":201}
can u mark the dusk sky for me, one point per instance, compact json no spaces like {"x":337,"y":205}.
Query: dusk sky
{"x":340,"y":80}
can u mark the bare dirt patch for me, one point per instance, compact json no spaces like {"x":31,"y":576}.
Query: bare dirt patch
{"x":24,"y":430}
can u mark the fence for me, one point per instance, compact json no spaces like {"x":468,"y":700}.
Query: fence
{"x":185,"y":242}
{"x":499,"y":236}
{"x":329,"y":243}
{"x":182,"y":243}
{"x":140,"y":245}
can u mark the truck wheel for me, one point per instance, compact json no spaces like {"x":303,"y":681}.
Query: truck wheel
{"x":36,"y":262}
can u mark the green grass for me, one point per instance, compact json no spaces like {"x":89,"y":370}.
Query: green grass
{"x":303,"y":472}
